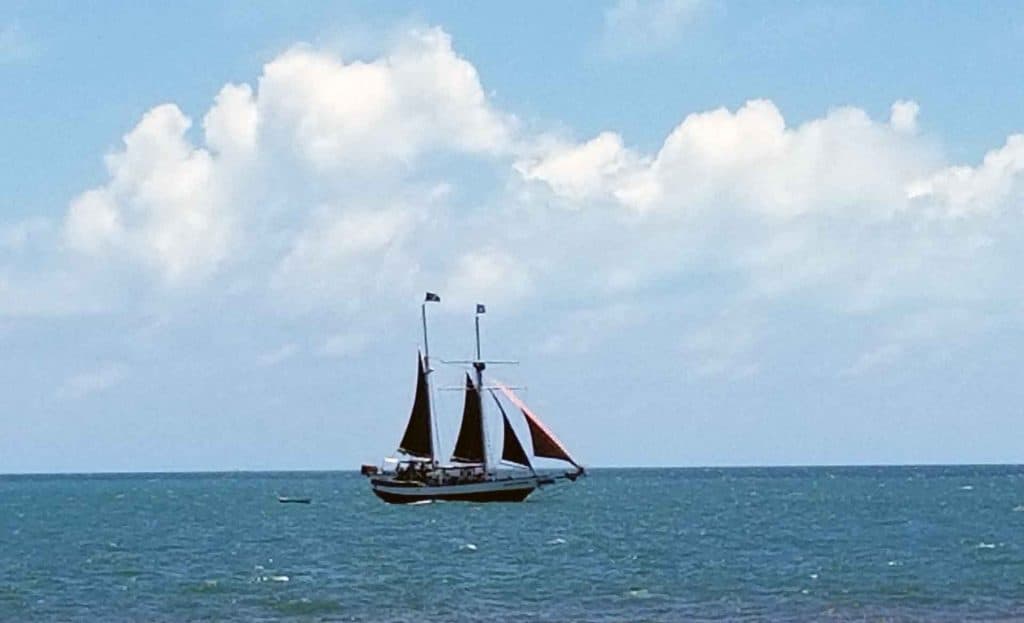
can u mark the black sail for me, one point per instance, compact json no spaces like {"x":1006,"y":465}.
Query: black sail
{"x":511,"y":450}
{"x":418,"y":439}
{"x":470,"y":446}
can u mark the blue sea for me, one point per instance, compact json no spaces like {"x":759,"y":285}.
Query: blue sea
{"x":817,"y":543}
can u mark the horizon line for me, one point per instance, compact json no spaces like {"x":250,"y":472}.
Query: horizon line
{"x":184,"y":472}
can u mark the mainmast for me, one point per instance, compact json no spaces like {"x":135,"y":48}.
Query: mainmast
{"x":479,"y":366}
{"x":472,"y":445}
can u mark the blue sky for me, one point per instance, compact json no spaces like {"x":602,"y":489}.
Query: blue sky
{"x":714,"y":233}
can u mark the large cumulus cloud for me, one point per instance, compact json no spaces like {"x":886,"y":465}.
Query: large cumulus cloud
{"x":328,"y":177}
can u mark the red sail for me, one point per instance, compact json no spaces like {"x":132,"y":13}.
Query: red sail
{"x":545,"y":444}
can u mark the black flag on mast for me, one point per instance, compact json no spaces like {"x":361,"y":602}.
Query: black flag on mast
{"x":480,"y":309}
{"x":432,"y":298}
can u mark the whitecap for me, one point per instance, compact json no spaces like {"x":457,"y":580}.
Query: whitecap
{"x":556,"y":541}
{"x":469,"y":547}
{"x":1019,"y":508}
{"x":814,"y":576}
{"x":279,"y":578}
{"x":639,"y":593}
{"x":967,"y":488}
{"x":986,"y":546}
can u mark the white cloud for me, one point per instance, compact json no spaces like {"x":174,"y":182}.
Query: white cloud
{"x":750,"y":160}
{"x":581,"y":172}
{"x":848,"y":208}
{"x":345,"y":344}
{"x":489,"y":274}
{"x":99,"y":379}
{"x":317,"y":131}
{"x":165,"y":203}
{"x":323,"y":186}
{"x":963,"y":190}
{"x":277,"y":355}
{"x":420,"y":97}
{"x":345,"y":256}
{"x":638,"y":27}
{"x":232,"y":123}
{"x":880,"y":357}
{"x":903,"y":116}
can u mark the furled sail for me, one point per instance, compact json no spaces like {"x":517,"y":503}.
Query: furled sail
{"x":511,"y":451}
{"x":418,"y":439}
{"x":469,"y":448}
{"x":545,"y":444}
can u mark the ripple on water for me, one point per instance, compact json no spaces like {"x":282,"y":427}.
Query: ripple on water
{"x":306,"y":606}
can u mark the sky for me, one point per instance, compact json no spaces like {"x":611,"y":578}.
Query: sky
{"x":711,"y":232}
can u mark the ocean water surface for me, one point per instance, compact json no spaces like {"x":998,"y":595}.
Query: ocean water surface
{"x":821,"y":543}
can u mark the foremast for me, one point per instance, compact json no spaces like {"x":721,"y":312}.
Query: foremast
{"x":421,"y":439}
{"x":430,"y":297}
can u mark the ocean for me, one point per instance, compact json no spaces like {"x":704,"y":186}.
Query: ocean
{"x":817,"y":543}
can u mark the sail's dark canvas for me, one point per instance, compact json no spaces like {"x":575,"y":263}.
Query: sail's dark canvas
{"x":470,"y":445}
{"x":418,"y":439}
{"x":512,"y":451}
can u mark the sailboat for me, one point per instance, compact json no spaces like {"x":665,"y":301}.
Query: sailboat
{"x":471,"y":474}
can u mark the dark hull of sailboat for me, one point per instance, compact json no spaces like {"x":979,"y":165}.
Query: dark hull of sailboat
{"x":490,"y":496}
{"x":505,"y":490}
